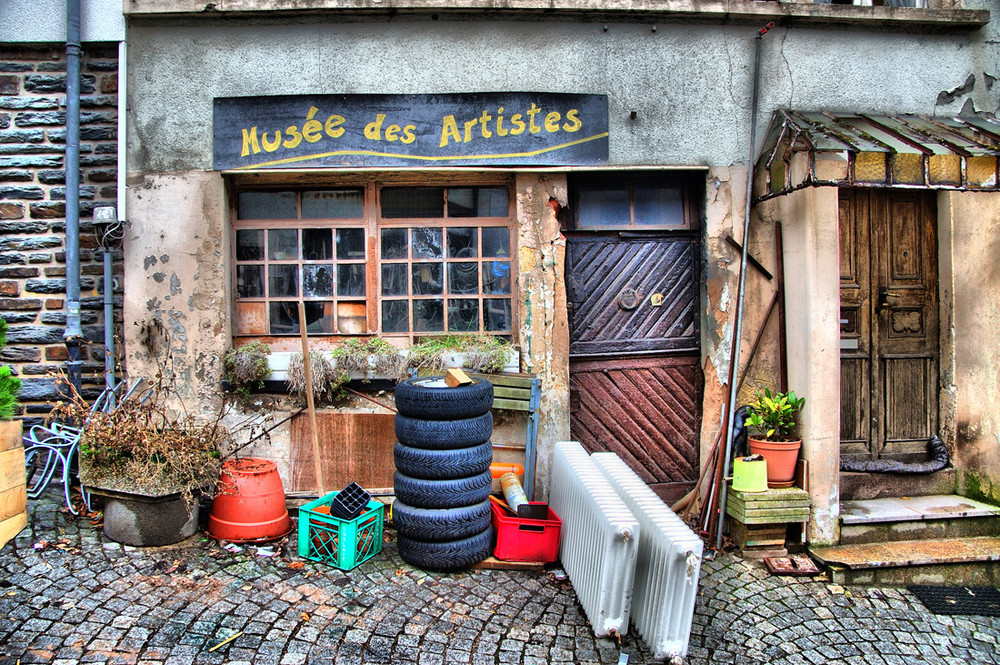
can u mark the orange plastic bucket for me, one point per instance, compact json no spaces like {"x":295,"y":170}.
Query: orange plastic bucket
{"x":250,"y":502}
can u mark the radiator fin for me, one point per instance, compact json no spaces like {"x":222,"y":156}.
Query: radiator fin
{"x":599,"y":540}
{"x":667,"y":566}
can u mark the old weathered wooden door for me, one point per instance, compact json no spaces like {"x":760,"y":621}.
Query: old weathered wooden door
{"x":889,"y":323}
{"x":635,"y":380}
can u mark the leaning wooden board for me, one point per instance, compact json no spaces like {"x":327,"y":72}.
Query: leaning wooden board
{"x":13,"y":497}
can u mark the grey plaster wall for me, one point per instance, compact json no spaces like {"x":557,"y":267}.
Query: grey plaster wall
{"x":45,"y":21}
{"x":689,"y":85}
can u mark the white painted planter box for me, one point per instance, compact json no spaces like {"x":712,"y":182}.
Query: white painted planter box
{"x":278,"y":362}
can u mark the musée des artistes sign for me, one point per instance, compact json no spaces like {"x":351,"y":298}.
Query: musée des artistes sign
{"x":410,"y":130}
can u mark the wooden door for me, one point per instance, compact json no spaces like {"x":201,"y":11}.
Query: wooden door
{"x":889,"y":323}
{"x":635,"y":379}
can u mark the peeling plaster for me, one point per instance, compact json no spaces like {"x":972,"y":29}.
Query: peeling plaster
{"x":948,"y":96}
{"x":175,"y":284}
{"x":158,"y":277}
{"x":148,"y":262}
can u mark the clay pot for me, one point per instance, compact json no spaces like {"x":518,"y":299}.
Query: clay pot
{"x":250,"y":502}
{"x":781,"y":457}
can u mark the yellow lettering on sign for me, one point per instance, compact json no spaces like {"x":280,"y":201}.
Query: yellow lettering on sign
{"x":271,"y":146}
{"x":294,"y":137}
{"x":532,"y":112}
{"x":518,"y":124}
{"x":449,"y":130}
{"x":250,"y":142}
{"x":392,"y":133}
{"x":552,"y":122}
{"x":574,"y":123}
{"x":501,"y":131}
{"x":373,"y":130}
{"x":408,"y":134}
{"x":469,"y":124}
{"x":311,"y":128}
{"x":333,"y":128}
{"x":484,"y":120}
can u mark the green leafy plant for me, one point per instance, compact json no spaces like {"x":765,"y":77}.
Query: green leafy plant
{"x":772,"y":417}
{"x":246,"y":367}
{"x":10,"y":385}
{"x":483,"y":353}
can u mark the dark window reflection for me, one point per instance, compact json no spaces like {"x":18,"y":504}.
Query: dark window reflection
{"x":496,"y":241}
{"x":266,"y":205}
{"x":393,"y":243}
{"x":463,"y":243}
{"x":427,"y":279}
{"x":351,"y":279}
{"x":282,"y":281}
{"x":658,"y":205}
{"x":317,"y":281}
{"x":496,"y":277}
{"x":333,"y":204}
{"x":477,"y":202}
{"x":317,"y":244}
{"x":463,"y":315}
{"x":463,"y":277}
{"x":394,"y":279}
{"x":395,"y":316}
{"x":350,"y":243}
{"x":284,"y":318}
{"x":250,"y":245}
{"x":428,"y":316}
{"x":497,"y":314}
{"x":603,"y":205}
{"x":283,"y":244}
{"x":426,"y":242}
{"x":412,"y":202}
{"x":250,"y":281}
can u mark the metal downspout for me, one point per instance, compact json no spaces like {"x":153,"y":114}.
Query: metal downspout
{"x":734,"y":369}
{"x":73,"y":334}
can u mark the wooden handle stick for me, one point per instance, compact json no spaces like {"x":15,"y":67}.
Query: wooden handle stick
{"x":307,"y":368}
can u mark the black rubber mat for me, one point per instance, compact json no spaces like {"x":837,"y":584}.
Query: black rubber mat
{"x":978,"y":600}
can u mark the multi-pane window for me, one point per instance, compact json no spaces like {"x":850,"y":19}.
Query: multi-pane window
{"x":636,"y":201}
{"x":441,"y":263}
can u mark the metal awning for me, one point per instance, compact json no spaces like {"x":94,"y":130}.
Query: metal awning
{"x":805,"y":149}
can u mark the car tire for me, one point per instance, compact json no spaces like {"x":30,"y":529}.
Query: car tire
{"x":444,"y":434}
{"x":431,"y":399}
{"x":440,"y":524}
{"x":441,"y":464}
{"x":448,"y":555}
{"x":449,"y":493}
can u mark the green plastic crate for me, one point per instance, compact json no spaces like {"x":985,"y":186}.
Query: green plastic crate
{"x":343,"y":543}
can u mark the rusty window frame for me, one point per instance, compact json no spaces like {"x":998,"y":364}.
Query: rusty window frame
{"x":372,"y":223}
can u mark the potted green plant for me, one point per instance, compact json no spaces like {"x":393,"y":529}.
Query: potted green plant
{"x":771,"y":421}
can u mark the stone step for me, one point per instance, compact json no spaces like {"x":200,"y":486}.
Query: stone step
{"x":916,"y":518}
{"x":860,"y":486}
{"x":943,"y":561}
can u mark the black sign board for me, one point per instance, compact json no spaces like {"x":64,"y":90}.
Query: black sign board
{"x":477,"y":129}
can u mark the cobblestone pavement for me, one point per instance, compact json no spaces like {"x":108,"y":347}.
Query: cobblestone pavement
{"x":83,"y":598}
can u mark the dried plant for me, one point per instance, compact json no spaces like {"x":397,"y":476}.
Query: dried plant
{"x":372,"y":354}
{"x":483,"y":353}
{"x":246,"y":367}
{"x":327,"y":378}
{"x":150,"y":444}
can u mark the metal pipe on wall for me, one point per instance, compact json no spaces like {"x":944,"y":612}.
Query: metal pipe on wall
{"x":73,"y":334}
{"x":734,"y":369}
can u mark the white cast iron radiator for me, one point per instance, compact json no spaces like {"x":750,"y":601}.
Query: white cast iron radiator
{"x":666,"y":571}
{"x":599,"y":540}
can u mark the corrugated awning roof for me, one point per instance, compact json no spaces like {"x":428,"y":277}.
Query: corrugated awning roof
{"x":804,"y":149}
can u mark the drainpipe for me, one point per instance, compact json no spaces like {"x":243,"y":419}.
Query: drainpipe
{"x":734,"y":369}
{"x":73,"y":334}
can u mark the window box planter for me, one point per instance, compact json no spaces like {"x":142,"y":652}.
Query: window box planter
{"x":278,"y":362}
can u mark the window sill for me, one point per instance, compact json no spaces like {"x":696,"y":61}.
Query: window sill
{"x":709,"y":11}
{"x":278,"y":362}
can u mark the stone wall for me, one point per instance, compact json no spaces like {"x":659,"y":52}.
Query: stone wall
{"x":33,"y":210}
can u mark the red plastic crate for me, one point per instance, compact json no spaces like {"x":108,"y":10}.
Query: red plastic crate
{"x":526,"y":540}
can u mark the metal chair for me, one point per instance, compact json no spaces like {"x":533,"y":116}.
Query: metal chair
{"x":52,"y":450}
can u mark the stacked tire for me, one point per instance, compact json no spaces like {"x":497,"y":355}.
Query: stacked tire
{"x":442,"y":482}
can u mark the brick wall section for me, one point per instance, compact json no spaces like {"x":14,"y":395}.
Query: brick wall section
{"x":33,"y":211}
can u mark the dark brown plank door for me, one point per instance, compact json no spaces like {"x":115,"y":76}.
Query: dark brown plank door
{"x":635,"y":380}
{"x":889,"y":383}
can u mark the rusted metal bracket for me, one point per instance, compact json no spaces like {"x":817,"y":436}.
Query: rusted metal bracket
{"x":754,"y":262}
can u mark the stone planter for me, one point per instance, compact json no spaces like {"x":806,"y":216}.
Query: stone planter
{"x":13,"y":495}
{"x":147,"y":521}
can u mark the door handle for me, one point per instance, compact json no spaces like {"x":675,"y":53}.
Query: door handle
{"x":883,"y":298}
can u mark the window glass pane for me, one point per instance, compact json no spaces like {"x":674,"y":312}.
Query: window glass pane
{"x":250,"y":281}
{"x":249,"y":245}
{"x":463,"y":242}
{"x":428,"y":316}
{"x":335,"y":203}
{"x":463,"y":277}
{"x":317,"y":281}
{"x":351,"y":279}
{"x":317,"y":244}
{"x":496,"y":277}
{"x":427,"y":279}
{"x":477,"y":202}
{"x":463,"y":315}
{"x":393,"y":243}
{"x":283,"y":244}
{"x":394,"y":279}
{"x":497,"y":314}
{"x":319,"y":317}
{"x":496,"y":241}
{"x":426,"y":242}
{"x":266,"y":205}
{"x":350,"y":243}
{"x":657,"y":205}
{"x":412,"y":202}
{"x":282,"y":281}
{"x":395,"y":316}
{"x":602,"y":205}
{"x":284,"y":318}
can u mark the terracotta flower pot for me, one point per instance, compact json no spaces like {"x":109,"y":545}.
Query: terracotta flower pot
{"x":250,"y":503}
{"x":781,"y":457}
